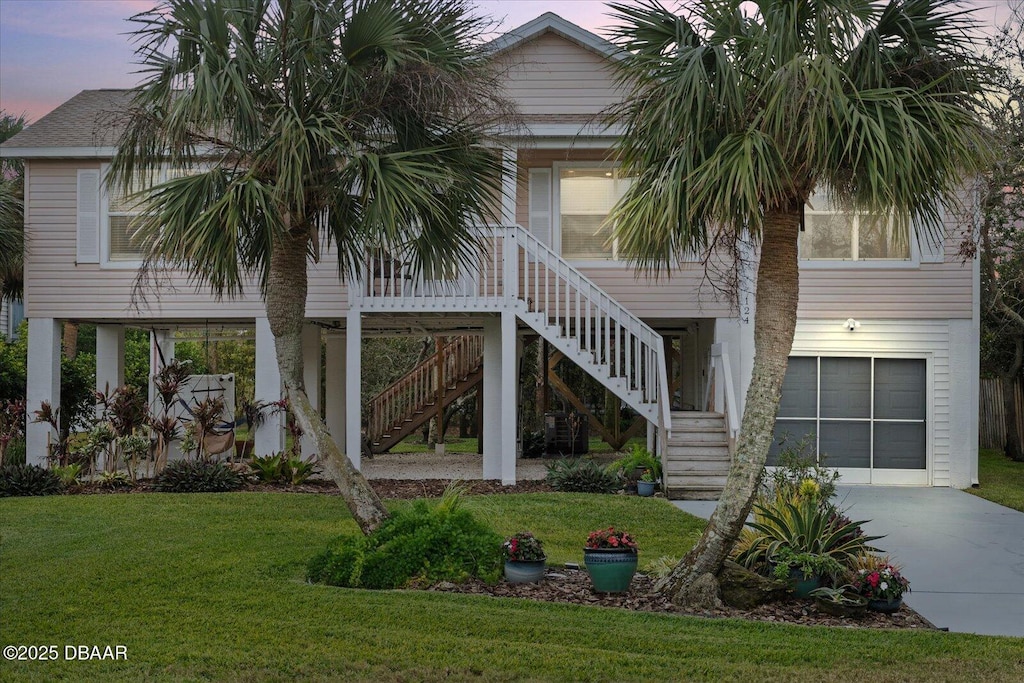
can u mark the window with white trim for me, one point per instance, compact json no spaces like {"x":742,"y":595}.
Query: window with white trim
{"x":585,"y":198}
{"x":829,"y":234}
{"x":120,"y":213}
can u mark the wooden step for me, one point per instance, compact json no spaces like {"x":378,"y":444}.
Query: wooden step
{"x":697,"y":465}
{"x":702,"y":450}
{"x":693,"y":493}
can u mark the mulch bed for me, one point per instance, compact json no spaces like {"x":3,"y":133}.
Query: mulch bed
{"x":571,"y":585}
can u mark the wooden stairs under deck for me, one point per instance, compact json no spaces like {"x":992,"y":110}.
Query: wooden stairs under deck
{"x":698,"y":458}
{"x":409,"y":402}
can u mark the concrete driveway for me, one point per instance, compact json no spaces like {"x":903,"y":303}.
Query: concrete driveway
{"x":964,"y":555}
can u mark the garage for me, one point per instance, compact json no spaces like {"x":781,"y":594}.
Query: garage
{"x":866,"y":416}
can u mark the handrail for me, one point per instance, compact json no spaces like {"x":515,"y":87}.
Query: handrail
{"x":512,"y":268}
{"x":418,"y":388}
{"x":720,"y":374}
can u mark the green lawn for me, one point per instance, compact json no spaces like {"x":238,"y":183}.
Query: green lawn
{"x":1002,"y":479}
{"x":208,"y":587}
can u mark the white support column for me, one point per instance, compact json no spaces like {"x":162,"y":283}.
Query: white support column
{"x":334,"y":386}
{"x":43,"y":384}
{"x":270,"y":435}
{"x":353,"y":388}
{"x":509,"y":175}
{"x":109,"y":357}
{"x":492,"y":399}
{"x":311,"y":373}
{"x":508,"y":403}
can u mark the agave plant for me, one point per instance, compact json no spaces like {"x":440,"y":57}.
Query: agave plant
{"x":802,"y":528}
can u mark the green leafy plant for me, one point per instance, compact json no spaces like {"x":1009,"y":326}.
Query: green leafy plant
{"x":800,"y":528}
{"x":581,"y":475}
{"x":296,"y":471}
{"x":113,"y":480}
{"x":134,"y":448}
{"x":197,"y":476}
{"x":638,"y":458}
{"x":267,"y":468}
{"x":28,"y":480}
{"x":841,"y":595}
{"x":523,"y":547}
{"x":68,"y":473}
{"x":649,"y":476}
{"x":808,"y":564}
{"x":797,"y":466}
{"x":423,"y":543}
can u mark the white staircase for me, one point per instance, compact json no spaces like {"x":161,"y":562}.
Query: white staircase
{"x":513,"y":270}
{"x":698,"y":458}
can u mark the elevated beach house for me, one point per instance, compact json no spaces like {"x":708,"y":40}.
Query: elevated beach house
{"x":884,"y":369}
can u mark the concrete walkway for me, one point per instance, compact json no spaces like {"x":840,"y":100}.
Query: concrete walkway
{"x":964,"y":555}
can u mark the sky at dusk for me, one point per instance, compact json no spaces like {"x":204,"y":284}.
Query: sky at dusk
{"x":52,"y":49}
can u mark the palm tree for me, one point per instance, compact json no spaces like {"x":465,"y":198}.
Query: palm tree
{"x":737,"y":114}
{"x":306,"y":124}
{"x":12,"y":222}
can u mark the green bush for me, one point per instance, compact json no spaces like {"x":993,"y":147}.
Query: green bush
{"x":197,"y":476}
{"x":423,"y":543}
{"x":28,"y":480}
{"x":581,"y":475}
{"x":533,"y":444}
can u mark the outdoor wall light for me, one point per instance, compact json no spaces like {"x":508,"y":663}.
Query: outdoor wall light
{"x":851,"y":324}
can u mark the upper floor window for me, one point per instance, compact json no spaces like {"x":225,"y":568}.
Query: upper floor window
{"x":586,"y":195}
{"x":829,"y":234}
{"x":119,"y":243}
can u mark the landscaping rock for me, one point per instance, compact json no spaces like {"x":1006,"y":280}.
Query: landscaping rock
{"x":744,"y":589}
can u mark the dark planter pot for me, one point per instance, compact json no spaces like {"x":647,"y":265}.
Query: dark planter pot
{"x":611,"y":570}
{"x":524,"y":571}
{"x":885,"y":606}
{"x":646,"y":488}
{"x":802,"y":586}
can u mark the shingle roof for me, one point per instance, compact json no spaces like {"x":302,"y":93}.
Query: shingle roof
{"x":86,"y":120}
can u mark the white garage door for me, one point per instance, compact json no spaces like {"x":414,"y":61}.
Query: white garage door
{"x":867,"y":416}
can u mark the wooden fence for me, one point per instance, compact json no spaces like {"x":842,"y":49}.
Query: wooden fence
{"x":991,"y":424}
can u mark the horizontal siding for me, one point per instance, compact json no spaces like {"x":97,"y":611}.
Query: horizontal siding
{"x":57,"y":287}
{"x":553,"y":75}
{"x":931,"y":290}
{"x":878,"y":337}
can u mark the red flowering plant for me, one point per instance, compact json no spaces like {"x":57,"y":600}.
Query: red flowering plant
{"x":523,"y":547}
{"x":876,"y":578}
{"x":611,"y":539}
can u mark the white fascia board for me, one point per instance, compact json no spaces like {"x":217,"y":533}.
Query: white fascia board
{"x":549,"y":21}
{"x":57,"y":152}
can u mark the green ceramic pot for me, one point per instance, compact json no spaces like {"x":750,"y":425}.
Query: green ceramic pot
{"x":611,"y":570}
{"x":524,"y":571}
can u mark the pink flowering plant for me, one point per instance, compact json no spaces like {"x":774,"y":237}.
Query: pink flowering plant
{"x":881,"y":582}
{"x":610,"y":538}
{"x":523,"y":547}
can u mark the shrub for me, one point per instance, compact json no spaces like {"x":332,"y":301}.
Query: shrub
{"x":197,"y":476}
{"x":638,"y":458}
{"x":798,"y":474}
{"x":581,"y":475}
{"x":112,"y":481}
{"x":428,"y":543}
{"x":28,"y":480}
{"x":68,"y":473}
{"x":279,"y":468}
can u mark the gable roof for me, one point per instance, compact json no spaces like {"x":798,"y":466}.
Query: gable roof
{"x":84,"y":126}
{"x":549,"y":22}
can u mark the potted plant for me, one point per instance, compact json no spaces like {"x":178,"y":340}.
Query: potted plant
{"x":804,"y":570}
{"x":647,"y":485}
{"x":610,"y":557}
{"x":840,"y":602}
{"x":524,"y":558}
{"x":631,"y":466}
{"x":880,"y":581}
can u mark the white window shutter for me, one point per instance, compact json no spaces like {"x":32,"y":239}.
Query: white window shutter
{"x":88,"y":242}
{"x":933,"y":246}
{"x":540,"y":204}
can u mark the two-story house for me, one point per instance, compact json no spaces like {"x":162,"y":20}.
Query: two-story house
{"x":884,"y":370}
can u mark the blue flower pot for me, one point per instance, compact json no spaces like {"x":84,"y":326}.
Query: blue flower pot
{"x":646,"y":488}
{"x":524,"y":571}
{"x":611,"y":570}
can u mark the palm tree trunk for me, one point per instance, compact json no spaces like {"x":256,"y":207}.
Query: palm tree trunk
{"x":778,"y":290}
{"x":286,"y":311}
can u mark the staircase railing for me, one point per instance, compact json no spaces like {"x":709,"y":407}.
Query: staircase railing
{"x":602,"y":328}
{"x":417,"y":390}
{"x":719,"y":394}
{"x":513,"y":269}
